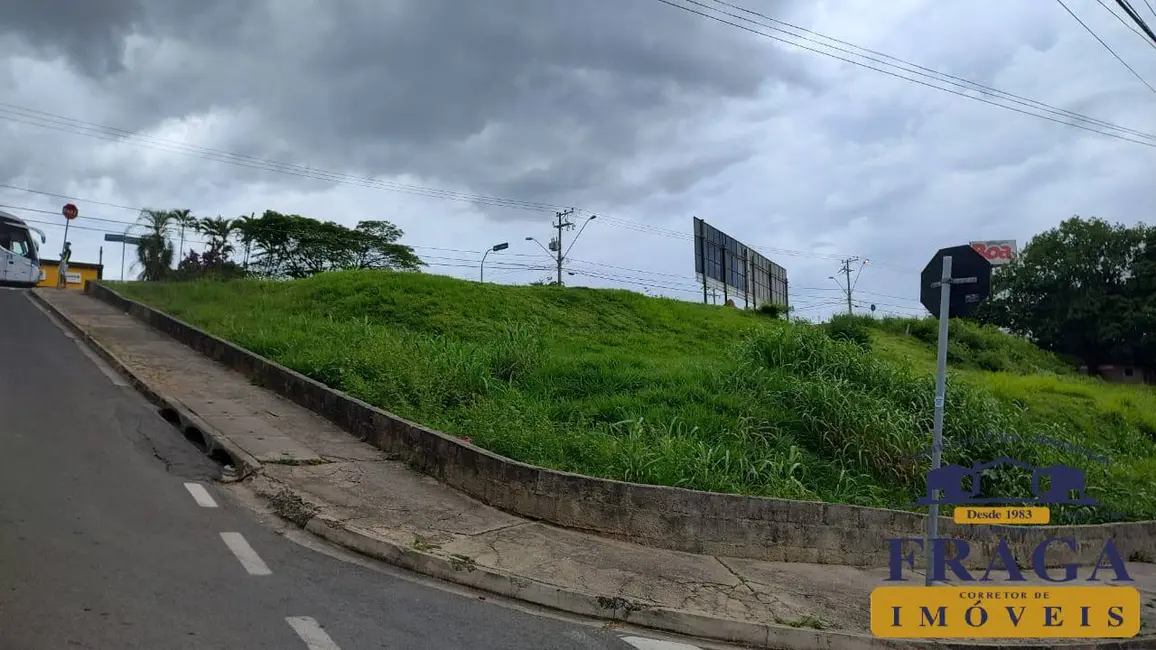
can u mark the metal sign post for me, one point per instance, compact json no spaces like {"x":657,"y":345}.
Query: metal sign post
{"x":70,"y":212}
{"x":978,"y":272}
{"x":493,"y":249}
{"x":124,"y":240}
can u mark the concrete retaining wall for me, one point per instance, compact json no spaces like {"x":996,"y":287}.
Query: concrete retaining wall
{"x":673,"y":518}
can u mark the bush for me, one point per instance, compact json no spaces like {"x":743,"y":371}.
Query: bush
{"x":845,"y":327}
{"x":980,"y":347}
{"x":210,"y":265}
{"x":771,"y":309}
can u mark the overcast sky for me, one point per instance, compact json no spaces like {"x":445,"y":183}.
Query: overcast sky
{"x":634,"y":110}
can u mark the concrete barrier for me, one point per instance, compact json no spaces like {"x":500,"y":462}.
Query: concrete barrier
{"x":666,"y":517}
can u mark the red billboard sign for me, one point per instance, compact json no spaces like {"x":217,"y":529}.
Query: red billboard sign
{"x":999,"y":251}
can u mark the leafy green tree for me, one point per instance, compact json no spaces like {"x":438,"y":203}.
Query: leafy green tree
{"x":155,"y":251}
{"x":293,"y":246}
{"x":375,"y":247}
{"x":1082,"y":289}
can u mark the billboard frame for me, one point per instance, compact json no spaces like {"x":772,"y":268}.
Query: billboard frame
{"x":724,"y":263}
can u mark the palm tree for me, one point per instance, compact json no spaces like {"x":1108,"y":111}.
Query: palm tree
{"x":155,"y":251}
{"x":219,"y":231}
{"x":244,"y":225}
{"x":184,"y":220}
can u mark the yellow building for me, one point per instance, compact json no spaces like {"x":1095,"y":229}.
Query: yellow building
{"x":78,"y":273}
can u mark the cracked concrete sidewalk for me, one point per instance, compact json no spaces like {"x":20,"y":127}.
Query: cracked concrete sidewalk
{"x":312,"y":470}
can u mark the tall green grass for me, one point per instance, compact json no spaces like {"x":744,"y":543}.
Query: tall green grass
{"x":615,"y":384}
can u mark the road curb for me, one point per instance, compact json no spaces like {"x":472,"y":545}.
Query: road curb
{"x":171,"y":409}
{"x":291,"y":506}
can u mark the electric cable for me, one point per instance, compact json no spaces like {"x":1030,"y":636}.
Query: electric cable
{"x":919,"y":69}
{"x":1106,"y":46}
{"x":1147,"y":143}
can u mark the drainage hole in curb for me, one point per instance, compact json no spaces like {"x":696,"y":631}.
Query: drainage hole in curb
{"x":222,"y":457}
{"x":193,"y":435}
{"x":171,"y":416}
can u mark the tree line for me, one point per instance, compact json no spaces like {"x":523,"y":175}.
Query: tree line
{"x":274,"y":245}
{"x":1085,"y":289}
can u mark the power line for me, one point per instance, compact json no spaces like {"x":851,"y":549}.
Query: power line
{"x":1106,"y":46}
{"x":1123,"y":22}
{"x":906,"y":78}
{"x":192,"y":240}
{"x":471,"y":263}
{"x":49,"y":120}
{"x":769,"y":251}
{"x":970,"y":85}
{"x":497,"y":264}
{"x":1127,"y":7}
{"x":616,"y":221}
{"x":684,"y":283}
{"x":623,"y":223}
{"x":447,"y":261}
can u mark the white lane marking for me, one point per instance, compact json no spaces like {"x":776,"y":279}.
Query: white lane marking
{"x":201,"y":495}
{"x":245,"y":553}
{"x":311,"y":633}
{"x":113,"y":376}
{"x":654,"y":644}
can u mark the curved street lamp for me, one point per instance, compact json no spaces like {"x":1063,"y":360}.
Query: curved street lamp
{"x":548,"y":252}
{"x":555,"y":250}
{"x":493,"y":249}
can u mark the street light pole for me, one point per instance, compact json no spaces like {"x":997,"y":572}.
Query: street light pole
{"x":123,"y":244}
{"x":493,"y":249}
{"x":546,"y":250}
{"x":555,"y":249}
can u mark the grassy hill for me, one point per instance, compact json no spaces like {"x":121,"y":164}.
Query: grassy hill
{"x":619,"y":385}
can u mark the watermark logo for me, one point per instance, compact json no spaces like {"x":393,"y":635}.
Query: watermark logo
{"x":985,"y":604}
{"x":1056,"y":484}
{"x":957,"y":485}
{"x":1064,"y":484}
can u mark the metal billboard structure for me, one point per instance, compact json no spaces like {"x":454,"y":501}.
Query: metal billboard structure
{"x":725,"y":264}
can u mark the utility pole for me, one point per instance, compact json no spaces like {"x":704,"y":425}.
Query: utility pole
{"x":562,"y":223}
{"x":555,"y":249}
{"x":846,"y":270}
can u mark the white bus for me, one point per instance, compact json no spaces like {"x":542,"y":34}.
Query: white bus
{"x":19,"y":252}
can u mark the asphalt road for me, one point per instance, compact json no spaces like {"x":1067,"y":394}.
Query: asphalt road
{"x":113,"y":536}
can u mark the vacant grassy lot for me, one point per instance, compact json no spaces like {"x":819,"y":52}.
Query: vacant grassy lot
{"x":616,"y":384}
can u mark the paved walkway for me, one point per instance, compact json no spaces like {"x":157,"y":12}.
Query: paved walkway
{"x":313,"y":466}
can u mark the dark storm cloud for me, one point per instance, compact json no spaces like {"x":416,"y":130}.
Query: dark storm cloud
{"x":89,"y":33}
{"x":535,"y":99}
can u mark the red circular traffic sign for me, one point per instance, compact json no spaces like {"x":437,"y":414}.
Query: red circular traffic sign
{"x":70,"y":211}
